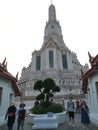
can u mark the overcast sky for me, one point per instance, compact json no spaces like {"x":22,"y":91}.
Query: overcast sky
{"x":22,"y":24}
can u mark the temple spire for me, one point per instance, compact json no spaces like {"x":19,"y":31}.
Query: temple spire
{"x":52,"y":13}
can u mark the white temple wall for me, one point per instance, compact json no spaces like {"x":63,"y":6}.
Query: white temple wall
{"x":93,"y":98}
{"x":47,"y":58}
{"x":42,"y":59}
{"x":59,"y":59}
{"x":33,"y":62}
{"x":69,"y":59}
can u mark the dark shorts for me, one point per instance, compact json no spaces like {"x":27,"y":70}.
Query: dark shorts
{"x":71,"y":114}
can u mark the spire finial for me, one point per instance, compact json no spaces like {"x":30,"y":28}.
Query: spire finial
{"x":17,"y":75}
{"x":3,"y":63}
{"x":52,"y":12}
{"x":82,"y":72}
{"x":90,"y":57}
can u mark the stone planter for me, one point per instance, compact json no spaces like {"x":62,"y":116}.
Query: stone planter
{"x":61,"y":117}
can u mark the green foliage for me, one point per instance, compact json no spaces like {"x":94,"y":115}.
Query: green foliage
{"x":48,"y":84}
{"x":40,"y":96}
{"x":46,"y":107}
{"x":47,"y":88}
{"x":38,"y":85}
{"x":56,"y":89}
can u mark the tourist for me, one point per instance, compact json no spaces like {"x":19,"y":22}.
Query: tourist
{"x":70,"y":110}
{"x":80,"y":106}
{"x":77,"y":105}
{"x":11,"y":111}
{"x":36,"y":103}
{"x":21,"y":116}
{"x":85,"y":120}
{"x":63,"y":102}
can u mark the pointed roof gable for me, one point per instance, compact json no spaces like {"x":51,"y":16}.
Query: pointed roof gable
{"x":6,"y":75}
{"x":94,"y":68}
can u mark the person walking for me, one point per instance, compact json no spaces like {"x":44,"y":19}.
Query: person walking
{"x":21,"y":116}
{"x":85,"y":120}
{"x":70,"y":110}
{"x":11,"y":111}
{"x":77,"y":105}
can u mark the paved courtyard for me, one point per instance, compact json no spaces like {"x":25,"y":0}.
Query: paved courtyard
{"x":65,"y":126}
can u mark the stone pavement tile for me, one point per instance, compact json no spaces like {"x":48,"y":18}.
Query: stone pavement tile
{"x":65,"y":126}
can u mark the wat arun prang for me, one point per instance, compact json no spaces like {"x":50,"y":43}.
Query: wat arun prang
{"x":55,"y":60}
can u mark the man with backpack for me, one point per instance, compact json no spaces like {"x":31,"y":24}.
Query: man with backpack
{"x":70,"y":110}
{"x":21,"y":116}
{"x":10,"y":116}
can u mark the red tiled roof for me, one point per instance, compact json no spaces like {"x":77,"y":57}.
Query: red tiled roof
{"x":5,"y":74}
{"x":94,"y":67}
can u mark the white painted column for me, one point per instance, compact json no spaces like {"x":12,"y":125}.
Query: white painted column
{"x":47,"y":58}
{"x":33,"y":67}
{"x":55,"y":58}
{"x":60,"y":60}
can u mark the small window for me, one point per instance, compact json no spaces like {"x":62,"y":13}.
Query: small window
{"x":0,"y":95}
{"x":38,"y":62}
{"x":97,"y":90}
{"x":64,"y":61}
{"x":51,"y":59}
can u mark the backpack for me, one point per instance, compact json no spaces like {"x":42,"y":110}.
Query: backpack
{"x":11,"y":114}
{"x":22,"y":114}
{"x":72,"y":104}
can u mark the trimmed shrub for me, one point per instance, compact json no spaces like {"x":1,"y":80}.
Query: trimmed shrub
{"x":47,"y":107}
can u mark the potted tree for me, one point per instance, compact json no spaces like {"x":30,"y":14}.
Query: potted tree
{"x":47,"y":89}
